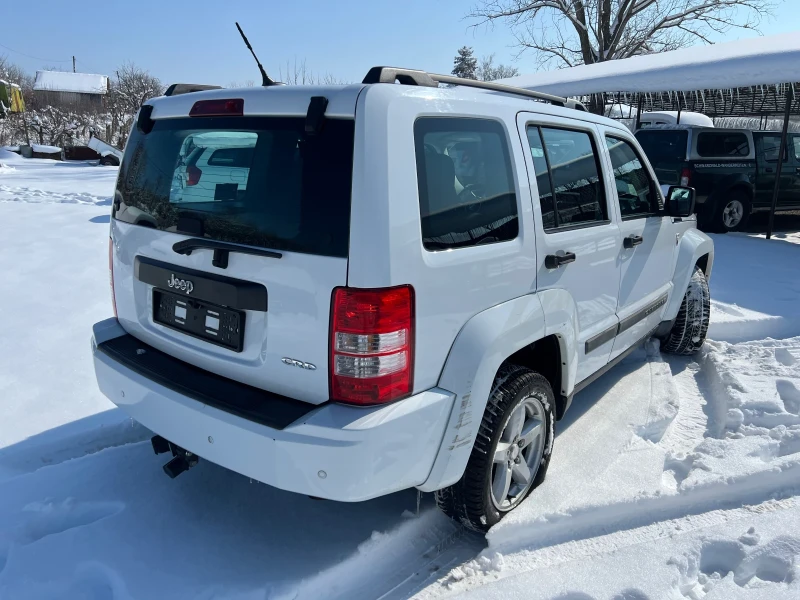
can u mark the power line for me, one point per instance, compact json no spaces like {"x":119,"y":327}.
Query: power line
{"x":35,"y":57}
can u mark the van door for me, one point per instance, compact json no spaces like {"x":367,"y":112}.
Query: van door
{"x":648,"y":241}
{"x":577,"y":234}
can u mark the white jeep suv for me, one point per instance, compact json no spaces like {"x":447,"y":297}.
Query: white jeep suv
{"x":357,"y":290}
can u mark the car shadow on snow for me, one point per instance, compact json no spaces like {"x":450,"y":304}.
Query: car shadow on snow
{"x":219,"y":532}
{"x":101,"y":219}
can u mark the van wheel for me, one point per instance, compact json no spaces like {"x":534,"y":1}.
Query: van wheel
{"x":732,"y":212}
{"x":511,"y":451}
{"x":691,"y":326}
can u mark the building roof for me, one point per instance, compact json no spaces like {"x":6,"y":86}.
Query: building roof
{"x":753,"y":62}
{"x":80,"y":83}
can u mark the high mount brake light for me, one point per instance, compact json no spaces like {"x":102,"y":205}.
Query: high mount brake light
{"x":229,"y":107}
{"x":372,"y":349}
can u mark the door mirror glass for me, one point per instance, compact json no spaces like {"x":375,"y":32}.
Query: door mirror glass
{"x":680,"y":201}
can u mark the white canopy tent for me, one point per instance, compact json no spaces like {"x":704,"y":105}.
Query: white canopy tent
{"x":753,"y":62}
{"x":725,"y":70}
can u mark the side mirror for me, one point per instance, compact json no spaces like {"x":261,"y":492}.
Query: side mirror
{"x":680,"y":201}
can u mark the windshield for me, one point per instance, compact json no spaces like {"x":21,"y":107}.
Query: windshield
{"x":259,"y":181}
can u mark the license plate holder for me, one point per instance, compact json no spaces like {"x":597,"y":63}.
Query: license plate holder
{"x":200,"y":319}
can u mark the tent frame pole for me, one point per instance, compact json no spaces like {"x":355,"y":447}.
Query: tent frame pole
{"x":784,"y":134}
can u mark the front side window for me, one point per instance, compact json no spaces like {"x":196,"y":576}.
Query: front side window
{"x":635,"y":189}
{"x":567,"y":170}
{"x":722,"y":144}
{"x":771,"y":147}
{"x":466,"y":186}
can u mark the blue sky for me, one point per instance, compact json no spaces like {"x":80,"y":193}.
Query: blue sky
{"x":196,"y":41}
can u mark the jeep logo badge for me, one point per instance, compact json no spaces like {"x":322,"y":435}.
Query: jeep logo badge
{"x":298,"y":363}
{"x":183,"y":285}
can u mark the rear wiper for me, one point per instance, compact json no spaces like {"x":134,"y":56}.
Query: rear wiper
{"x":221,"y":250}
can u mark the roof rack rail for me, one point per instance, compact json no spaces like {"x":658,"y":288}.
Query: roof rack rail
{"x":425,"y":79}
{"x":187,"y":88}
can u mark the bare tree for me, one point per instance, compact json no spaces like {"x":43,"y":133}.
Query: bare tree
{"x":573,"y":32}
{"x":488,"y":71}
{"x":128,"y":91}
{"x":298,"y":73}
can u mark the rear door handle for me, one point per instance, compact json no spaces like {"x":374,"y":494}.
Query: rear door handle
{"x":553,"y":261}
{"x":632,"y":240}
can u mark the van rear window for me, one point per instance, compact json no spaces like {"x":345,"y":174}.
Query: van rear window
{"x":663,"y":145}
{"x":259,"y":181}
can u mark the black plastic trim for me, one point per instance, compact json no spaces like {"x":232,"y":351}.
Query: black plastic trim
{"x":253,"y":404}
{"x":613,"y":363}
{"x":225,"y":291}
{"x":594,"y":342}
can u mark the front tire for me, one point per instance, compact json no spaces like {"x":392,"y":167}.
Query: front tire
{"x":689,"y":330}
{"x":511,"y":451}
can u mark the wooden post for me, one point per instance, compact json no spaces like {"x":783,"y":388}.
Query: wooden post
{"x":784,"y":134}
{"x":73,"y":64}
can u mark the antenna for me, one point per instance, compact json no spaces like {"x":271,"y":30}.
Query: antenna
{"x":265,"y":80}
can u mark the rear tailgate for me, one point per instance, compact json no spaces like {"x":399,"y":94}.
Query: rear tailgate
{"x":278,"y":196}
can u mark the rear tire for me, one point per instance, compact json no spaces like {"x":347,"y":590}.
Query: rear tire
{"x":689,"y":330}
{"x":732,"y":212}
{"x":511,"y":451}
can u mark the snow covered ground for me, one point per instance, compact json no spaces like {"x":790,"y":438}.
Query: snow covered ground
{"x":672,"y":478}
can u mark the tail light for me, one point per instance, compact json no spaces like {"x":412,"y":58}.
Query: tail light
{"x":686,"y":177}
{"x":372,"y":345}
{"x":111,"y":273}
{"x":193,"y":175}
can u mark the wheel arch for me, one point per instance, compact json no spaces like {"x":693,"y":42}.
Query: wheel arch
{"x":695,"y":249}
{"x":517,"y":330}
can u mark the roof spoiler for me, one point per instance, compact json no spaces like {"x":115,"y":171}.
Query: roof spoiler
{"x":187,"y":88}
{"x":425,"y":79}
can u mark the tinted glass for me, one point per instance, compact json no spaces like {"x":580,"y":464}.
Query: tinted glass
{"x":575,"y":173}
{"x":770,"y":147}
{"x":663,"y":145}
{"x":259,"y":181}
{"x":635,"y":189}
{"x":720,"y":143}
{"x":466,"y":186}
{"x":796,"y":146}
{"x":542,"y":177}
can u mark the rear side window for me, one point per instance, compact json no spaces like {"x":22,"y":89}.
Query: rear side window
{"x":720,"y":143}
{"x":663,"y":146}
{"x":567,"y":170}
{"x":259,"y":181}
{"x":635,"y":189}
{"x":466,"y":185}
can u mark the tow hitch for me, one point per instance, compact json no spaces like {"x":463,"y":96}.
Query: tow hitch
{"x":182,"y":460}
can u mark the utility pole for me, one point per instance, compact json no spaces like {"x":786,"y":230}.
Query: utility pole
{"x":73,"y":64}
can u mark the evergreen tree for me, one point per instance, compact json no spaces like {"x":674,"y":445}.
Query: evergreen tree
{"x":465,"y":65}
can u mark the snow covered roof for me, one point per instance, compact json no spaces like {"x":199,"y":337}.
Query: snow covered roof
{"x":757,"y":61}
{"x":81,"y":83}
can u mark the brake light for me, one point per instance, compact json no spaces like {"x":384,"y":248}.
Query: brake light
{"x":193,"y":175}
{"x":686,"y":177}
{"x":230,"y":107}
{"x":111,"y":273}
{"x":372,"y":345}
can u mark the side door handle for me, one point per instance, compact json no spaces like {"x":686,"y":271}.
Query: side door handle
{"x":553,"y":261}
{"x":632,"y":240}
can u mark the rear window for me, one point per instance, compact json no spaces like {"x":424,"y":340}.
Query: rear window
{"x":663,"y":145}
{"x":259,"y":181}
{"x":719,"y":143}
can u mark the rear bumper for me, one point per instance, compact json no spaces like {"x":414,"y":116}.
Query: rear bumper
{"x":336,"y":452}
